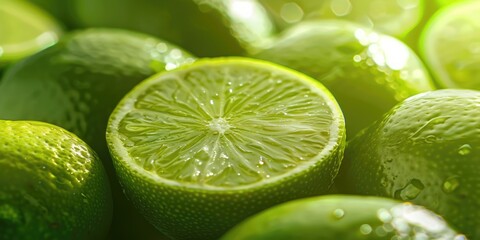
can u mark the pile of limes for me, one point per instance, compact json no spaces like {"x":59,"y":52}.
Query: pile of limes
{"x":240,"y":119}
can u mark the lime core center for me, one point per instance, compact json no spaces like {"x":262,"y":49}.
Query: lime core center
{"x":219,"y":125}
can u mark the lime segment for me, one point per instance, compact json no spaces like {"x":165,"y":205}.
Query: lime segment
{"x":224,"y":129}
{"x":24,"y":30}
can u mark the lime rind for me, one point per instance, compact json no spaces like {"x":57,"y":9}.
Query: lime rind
{"x":120,"y":145}
{"x":434,"y":55}
{"x":42,"y":31}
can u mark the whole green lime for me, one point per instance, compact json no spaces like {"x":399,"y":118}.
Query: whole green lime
{"x":367,"y":72}
{"x":206,"y":28}
{"x":76,"y":84}
{"x":52,"y":185}
{"x":343,"y":217}
{"x":425,"y":150}
{"x":200,"y":148}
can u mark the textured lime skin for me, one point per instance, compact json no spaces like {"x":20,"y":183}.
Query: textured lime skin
{"x":425,"y":150}
{"x":77,"y":83}
{"x":52,"y":185}
{"x":198,"y":210}
{"x":342,"y":217}
{"x":367,"y":72}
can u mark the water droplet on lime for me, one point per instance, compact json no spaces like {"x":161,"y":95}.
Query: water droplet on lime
{"x":450,"y":184}
{"x":291,"y":12}
{"x":410,"y":191}
{"x":460,"y":237}
{"x":341,"y":7}
{"x":338,"y":213}
{"x":465,"y":149}
{"x":384,"y":215}
{"x":366,"y":229}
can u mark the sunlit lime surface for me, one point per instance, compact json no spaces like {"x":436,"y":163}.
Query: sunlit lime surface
{"x":394,"y":17}
{"x":24,"y":30}
{"x":450,"y":45}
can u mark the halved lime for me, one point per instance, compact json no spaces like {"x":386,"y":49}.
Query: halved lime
{"x":450,"y":45}
{"x":393,"y":17}
{"x":200,"y":148}
{"x":24,"y":30}
{"x":344,"y":217}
